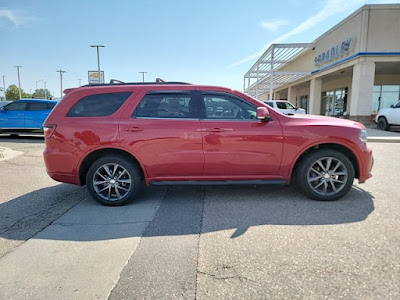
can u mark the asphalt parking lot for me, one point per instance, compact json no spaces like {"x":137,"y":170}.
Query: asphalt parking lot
{"x":196,"y":242}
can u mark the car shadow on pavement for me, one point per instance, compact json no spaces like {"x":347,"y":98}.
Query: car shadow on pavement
{"x":173,"y":211}
{"x":6,"y":138}
{"x":23,"y":217}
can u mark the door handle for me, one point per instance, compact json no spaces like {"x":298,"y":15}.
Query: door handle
{"x":20,"y":114}
{"x":218,"y":129}
{"x":133,"y":129}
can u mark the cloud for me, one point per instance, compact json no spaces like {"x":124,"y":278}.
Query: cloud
{"x":331,"y":8}
{"x":16,"y":17}
{"x":273,"y":25}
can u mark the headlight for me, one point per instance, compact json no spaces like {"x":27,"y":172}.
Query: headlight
{"x":363,"y":135}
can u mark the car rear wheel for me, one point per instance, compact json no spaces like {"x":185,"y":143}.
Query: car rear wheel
{"x":383,"y":124}
{"x":326,"y":175}
{"x":113,"y":180}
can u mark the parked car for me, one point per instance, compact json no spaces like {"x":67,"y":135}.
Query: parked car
{"x":285,"y":107}
{"x":111,"y":137}
{"x":25,"y":116}
{"x":387,"y":117}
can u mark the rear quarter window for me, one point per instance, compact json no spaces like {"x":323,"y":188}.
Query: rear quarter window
{"x":99,"y":105}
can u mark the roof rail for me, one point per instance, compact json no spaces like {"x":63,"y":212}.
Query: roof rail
{"x":119,"y":82}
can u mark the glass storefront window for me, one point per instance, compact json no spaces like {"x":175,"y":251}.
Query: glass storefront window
{"x":384,"y":96}
{"x":390,"y":88}
{"x":304,"y":102}
{"x":334,"y":102}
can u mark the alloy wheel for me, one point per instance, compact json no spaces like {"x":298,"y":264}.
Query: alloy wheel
{"x":112,"y":182}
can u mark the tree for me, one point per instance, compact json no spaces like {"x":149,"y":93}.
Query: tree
{"x":40,"y":94}
{"x":12,"y":93}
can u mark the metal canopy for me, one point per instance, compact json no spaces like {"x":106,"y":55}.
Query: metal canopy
{"x":264,"y":75}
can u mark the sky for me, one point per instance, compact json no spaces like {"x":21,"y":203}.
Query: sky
{"x":202,"y":42}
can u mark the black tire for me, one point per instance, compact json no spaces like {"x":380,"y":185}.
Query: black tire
{"x":383,"y":124}
{"x":330,"y":183}
{"x":118,"y":180}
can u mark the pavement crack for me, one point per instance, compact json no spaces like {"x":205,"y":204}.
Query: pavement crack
{"x":227,"y":277}
{"x":198,"y":242}
{"x":66,"y":224}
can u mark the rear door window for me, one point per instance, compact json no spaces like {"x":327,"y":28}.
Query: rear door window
{"x":99,"y":105}
{"x":168,"y":105}
{"x":37,"y":106}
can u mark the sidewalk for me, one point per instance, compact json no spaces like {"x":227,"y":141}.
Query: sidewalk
{"x":381,"y":136}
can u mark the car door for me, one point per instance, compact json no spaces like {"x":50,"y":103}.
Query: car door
{"x":12,"y":115}
{"x":35,"y":114}
{"x":164,"y":132}
{"x":235,"y":142}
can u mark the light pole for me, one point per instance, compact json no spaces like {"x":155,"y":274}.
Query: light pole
{"x":80,"y":79}
{"x":19,"y":82}
{"x":4,"y":84}
{"x":38,"y":82}
{"x":143,"y":74}
{"x":61,"y":76}
{"x":98,"y":58}
{"x":45,"y":91}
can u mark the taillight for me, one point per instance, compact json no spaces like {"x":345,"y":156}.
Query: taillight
{"x":49,"y":130}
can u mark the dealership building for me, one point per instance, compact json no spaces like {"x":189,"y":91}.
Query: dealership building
{"x":352,"y":70}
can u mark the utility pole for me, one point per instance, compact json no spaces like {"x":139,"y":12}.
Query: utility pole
{"x":45,"y":91}
{"x":4,"y":84}
{"x":98,"y":59}
{"x":19,"y":82}
{"x":61,"y":77}
{"x":143,"y":74}
{"x":79,"y":79}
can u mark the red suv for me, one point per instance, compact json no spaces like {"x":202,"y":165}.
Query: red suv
{"x":111,"y":137}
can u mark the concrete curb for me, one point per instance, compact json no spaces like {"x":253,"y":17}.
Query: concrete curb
{"x":383,"y":139}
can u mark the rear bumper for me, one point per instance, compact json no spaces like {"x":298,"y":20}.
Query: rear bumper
{"x":67,"y":178}
{"x":56,"y":161}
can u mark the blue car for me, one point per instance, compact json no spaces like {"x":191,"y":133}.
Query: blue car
{"x":25,"y":116}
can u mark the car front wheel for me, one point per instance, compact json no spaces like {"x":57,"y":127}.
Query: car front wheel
{"x":383,"y":124}
{"x":326,"y":175}
{"x":113,"y":180}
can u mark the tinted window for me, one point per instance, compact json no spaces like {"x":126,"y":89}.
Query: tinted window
{"x":270,"y":104}
{"x":168,"y":105}
{"x":99,"y":105}
{"x":51,"y":105}
{"x":227,"y":107}
{"x":17,"y":105}
{"x":37,"y":106}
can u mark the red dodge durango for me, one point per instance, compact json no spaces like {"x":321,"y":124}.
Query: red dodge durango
{"x":111,"y":137}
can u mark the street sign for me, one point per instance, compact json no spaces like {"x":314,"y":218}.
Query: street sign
{"x":93,"y":77}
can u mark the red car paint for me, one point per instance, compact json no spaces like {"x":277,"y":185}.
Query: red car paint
{"x":195,"y":149}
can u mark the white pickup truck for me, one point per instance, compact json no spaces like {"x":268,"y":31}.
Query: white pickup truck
{"x":387,"y":117}
{"x":285,"y":107}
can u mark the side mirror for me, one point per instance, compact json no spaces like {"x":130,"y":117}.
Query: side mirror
{"x":392,"y":106}
{"x":2,"y":109}
{"x":262,"y":113}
